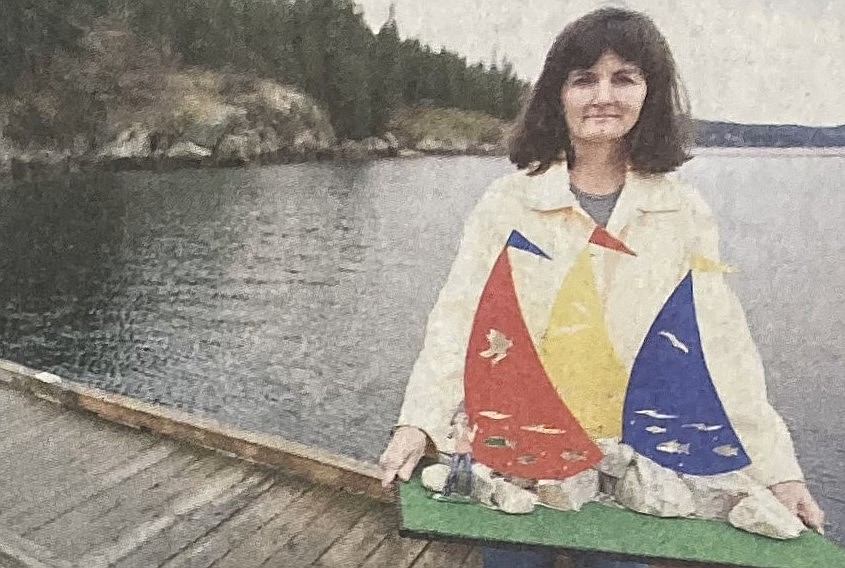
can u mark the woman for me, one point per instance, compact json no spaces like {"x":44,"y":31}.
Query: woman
{"x":604,"y":127}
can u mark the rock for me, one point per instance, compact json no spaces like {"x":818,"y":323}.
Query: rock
{"x":483,"y":484}
{"x":434,"y":477}
{"x":512,"y":499}
{"x":212,"y":123}
{"x":131,"y":144}
{"x":617,"y":457}
{"x":239,"y":148}
{"x":187,"y":151}
{"x":376,"y":146}
{"x":571,"y":493}
{"x":715,"y":495}
{"x":408,"y":153}
{"x":763,"y":514}
{"x":392,"y":142}
{"x":353,"y":150}
{"x":652,"y":489}
{"x":270,"y":143}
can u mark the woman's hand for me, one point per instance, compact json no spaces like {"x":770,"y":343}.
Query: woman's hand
{"x":797,"y":498}
{"x":402,"y":454}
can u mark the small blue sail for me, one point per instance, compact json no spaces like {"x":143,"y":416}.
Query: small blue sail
{"x":517,"y":240}
{"x":672,"y":412}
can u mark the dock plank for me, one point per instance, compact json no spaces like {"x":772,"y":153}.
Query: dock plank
{"x":193,"y":525}
{"x":359,"y":542}
{"x":395,"y":551}
{"x":308,"y":541}
{"x":137,"y":508}
{"x":214,"y":545}
{"x":26,"y":519}
{"x":71,"y":531}
{"x":439,"y":554}
{"x":259,"y":546}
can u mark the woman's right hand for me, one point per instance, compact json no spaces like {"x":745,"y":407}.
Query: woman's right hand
{"x":403,"y":453}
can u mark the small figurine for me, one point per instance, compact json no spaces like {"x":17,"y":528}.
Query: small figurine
{"x":463,"y":436}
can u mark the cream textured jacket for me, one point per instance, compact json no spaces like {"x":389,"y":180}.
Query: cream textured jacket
{"x":667,"y":225}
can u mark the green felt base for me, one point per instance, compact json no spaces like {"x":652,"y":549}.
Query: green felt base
{"x":609,"y":529}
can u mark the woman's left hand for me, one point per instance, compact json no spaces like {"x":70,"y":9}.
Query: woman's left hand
{"x":797,"y":498}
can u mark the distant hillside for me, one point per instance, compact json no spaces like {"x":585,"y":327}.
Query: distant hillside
{"x":729,"y":134}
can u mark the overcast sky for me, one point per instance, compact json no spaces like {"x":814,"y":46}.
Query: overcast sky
{"x":752,"y":61}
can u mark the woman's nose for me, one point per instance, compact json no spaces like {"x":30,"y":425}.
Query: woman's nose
{"x":604,"y":91}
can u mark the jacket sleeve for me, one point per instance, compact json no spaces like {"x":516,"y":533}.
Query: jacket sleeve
{"x":734,"y":361}
{"x":435,"y":387}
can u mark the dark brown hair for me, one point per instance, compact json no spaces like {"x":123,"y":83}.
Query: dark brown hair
{"x":659,"y":140}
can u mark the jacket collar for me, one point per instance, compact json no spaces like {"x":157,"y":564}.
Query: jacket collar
{"x":549,"y":191}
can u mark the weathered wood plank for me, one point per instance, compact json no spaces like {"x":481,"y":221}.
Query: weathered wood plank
{"x":439,"y":554}
{"x":233,"y":530}
{"x":18,"y":552}
{"x":24,"y":436}
{"x":139,"y":504}
{"x":263,"y":543}
{"x":149,"y":528}
{"x":307,"y":541}
{"x":29,"y":516}
{"x":474,"y":558}
{"x":61,"y":532}
{"x":395,"y":551}
{"x":357,"y":544}
{"x":191,"y":526}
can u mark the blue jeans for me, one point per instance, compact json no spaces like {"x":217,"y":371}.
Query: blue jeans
{"x":538,"y":558}
{"x":455,"y":468}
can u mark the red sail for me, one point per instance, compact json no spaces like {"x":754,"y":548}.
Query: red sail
{"x":604,"y":239}
{"x":524,"y":428}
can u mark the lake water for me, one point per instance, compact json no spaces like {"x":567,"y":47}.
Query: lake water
{"x":292,"y":299}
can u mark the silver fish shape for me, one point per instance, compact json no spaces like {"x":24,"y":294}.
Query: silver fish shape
{"x":726,"y":451}
{"x":673,"y":447}
{"x":655,"y":414}
{"x":655,"y":430}
{"x":701,"y":427}
{"x":493,"y":414}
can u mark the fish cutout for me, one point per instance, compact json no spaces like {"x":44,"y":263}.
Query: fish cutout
{"x":498,"y":346}
{"x":573,"y":456}
{"x":701,"y":427}
{"x":655,"y":414}
{"x":673,"y":447}
{"x":526,"y":460}
{"x":493,"y":415}
{"x":570,"y":329}
{"x":499,"y":442}
{"x":726,"y":451}
{"x":655,"y":430}
{"x":601,"y":237}
{"x":676,"y":343}
{"x":542,"y":429}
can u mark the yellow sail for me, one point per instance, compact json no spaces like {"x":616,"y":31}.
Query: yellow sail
{"x":579,"y":358}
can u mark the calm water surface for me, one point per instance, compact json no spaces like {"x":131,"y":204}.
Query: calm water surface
{"x":292,"y":299}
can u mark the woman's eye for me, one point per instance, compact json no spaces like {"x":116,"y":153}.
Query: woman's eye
{"x":624,"y":80}
{"x":583,"y":80}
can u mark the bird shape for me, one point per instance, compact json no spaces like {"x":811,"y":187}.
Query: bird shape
{"x":701,"y":427}
{"x":655,"y":414}
{"x":676,"y":343}
{"x":498,"y":346}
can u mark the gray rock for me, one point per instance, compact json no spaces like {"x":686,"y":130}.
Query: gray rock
{"x":434,"y":477}
{"x":234,"y":148}
{"x":761,"y":513}
{"x":512,"y":499}
{"x":617,"y":457}
{"x":189,"y":151}
{"x":391,"y":140}
{"x":715,"y":495}
{"x":652,"y":489}
{"x":217,"y":120}
{"x":132,"y":143}
{"x":483,"y":484}
{"x":571,"y":493}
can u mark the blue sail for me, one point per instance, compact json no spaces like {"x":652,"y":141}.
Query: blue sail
{"x":518,"y":241}
{"x":672,"y":412}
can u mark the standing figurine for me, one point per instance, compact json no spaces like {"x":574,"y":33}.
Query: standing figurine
{"x":463,"y":436}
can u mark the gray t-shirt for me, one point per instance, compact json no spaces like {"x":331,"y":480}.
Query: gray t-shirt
{"x":599,"y":207}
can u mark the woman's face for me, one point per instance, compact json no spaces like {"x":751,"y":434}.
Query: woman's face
{"x":603,"y":103}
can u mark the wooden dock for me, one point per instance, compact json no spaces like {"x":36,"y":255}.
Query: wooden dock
{"x":79,"y":491}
